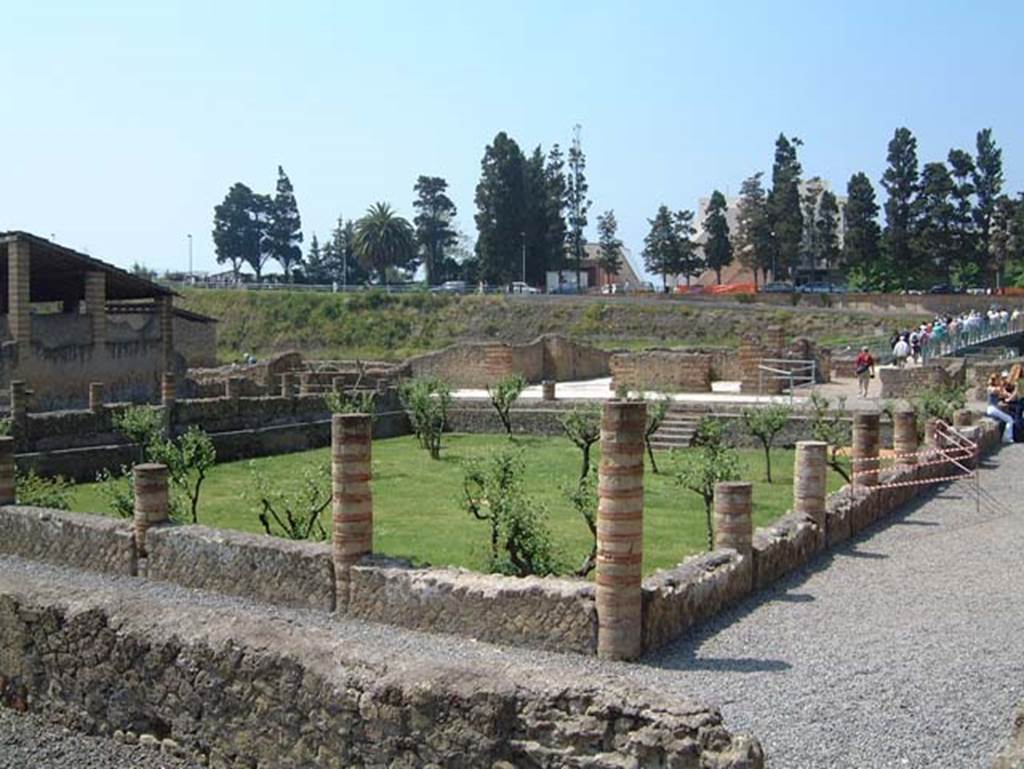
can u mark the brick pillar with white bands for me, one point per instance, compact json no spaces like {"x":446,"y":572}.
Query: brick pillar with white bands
{"x":865,"y":448}
{"x":734,"y":524}
{"x":547,"y":388}
{"x":620,"y":530}
{"x":151,"y":500}
{"x":6,"y":470}
{"x":904,"y":436}
{"x":95,"y":397}
{"x":810,"y":481}
{"x":351,"y":498}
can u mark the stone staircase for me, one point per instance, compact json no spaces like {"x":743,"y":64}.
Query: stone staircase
{"x":678,"y":429}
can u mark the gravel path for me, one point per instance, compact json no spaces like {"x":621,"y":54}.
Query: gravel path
{"x":906,"y":651}
{"x":904,"y":648}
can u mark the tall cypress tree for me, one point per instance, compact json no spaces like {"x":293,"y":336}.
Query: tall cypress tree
{"x":971,"y":262}
{"x":934,"y":215}
{"x":861,"y":254}
{"x":435,"y":213}
{"x":554,"y":189}
{"x":660,"y":245}
{"x":577,"y":203}
{"x":717,"y":246}
{"x":827,"y":226}
{"x":988,"y":183}
{"x":784,"y":207}
{"x":686,"y":259}
{"x":284,"y":228}
{"x":501,"y":210}
{"x":753,"y":238}
{"x":900,"y":182}
{"x":610,"y":247}
{"x":537,"y":253}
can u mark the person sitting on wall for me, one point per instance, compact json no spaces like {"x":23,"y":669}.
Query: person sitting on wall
{"x":996,"y":391}
{"x":1012,"y":400}
{"x":864,"y":368}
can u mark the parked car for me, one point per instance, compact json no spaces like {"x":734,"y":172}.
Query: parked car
{"x":451,"y":287}
{"x":518,"y":287}
{"x":944,"y":288}
{"x":778,"y":287}
{"x":816,"y":287}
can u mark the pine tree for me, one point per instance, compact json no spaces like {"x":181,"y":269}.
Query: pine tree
{"x":827,"y":227}
{"x":555,"y":194}
{"x":717,"y":246}
{"x":686,"y":257}
{"x":316,"y":268}
{"x":1005,"y":241}
{"x":577,"y":203}
{"x":861,"y":253}
{"x":988,"y":183}
{"x":537,"y":245}
{"x":284,"y":227}
{"x":434,"y":230}
{"x":810,"y":246}
{"x":501,"y":210}
{"x":900,"y":181}
{"x":784,"y":207}
{"x":232,"y":224}
{"x":934,"y":215}
{"x":660,"y":245}
{"x":753,"y":238}
{"x":610,"y":247}
{"x":340,"y":255}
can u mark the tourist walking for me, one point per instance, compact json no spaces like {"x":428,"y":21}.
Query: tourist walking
{"x":996,"y":394}
{"x":900,"y":352}
{"x":864,"y":367}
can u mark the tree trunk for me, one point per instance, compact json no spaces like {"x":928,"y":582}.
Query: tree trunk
{"x":718,"y":275}
{"x":768,"y":462}
{"x":710,"y":526}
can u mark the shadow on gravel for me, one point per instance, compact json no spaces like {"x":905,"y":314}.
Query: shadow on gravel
{"x":793,"y":598}
{"x":851,"y":553}
{"x":721,"y":664}
{"x":916,"y":523}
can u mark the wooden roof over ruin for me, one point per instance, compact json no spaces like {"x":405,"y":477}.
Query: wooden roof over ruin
{"x":58,"y":273}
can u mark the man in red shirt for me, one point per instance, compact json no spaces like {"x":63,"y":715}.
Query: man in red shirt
{"x":864,"y":367}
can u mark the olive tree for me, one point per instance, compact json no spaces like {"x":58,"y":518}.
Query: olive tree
{"x":765,"y":423}
{"x":504,"y":395}
{"x":427,"y":400}
{"x":708,"y":462}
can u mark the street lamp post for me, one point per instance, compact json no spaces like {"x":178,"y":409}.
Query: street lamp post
{"x":190,"y":254}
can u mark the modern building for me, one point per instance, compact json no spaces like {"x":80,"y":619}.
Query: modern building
{"x":592,"y":274}
{"x":69,"y":320}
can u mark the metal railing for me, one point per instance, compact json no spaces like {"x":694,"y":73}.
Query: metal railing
{"x":974,"y":332}
{"x":792,"y":371}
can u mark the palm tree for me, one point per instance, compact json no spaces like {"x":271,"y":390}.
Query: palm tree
{"x":384,"y":239}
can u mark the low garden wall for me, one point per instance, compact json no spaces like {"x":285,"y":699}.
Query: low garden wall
{"x":910,"y":381}
{"x":230,"y":684}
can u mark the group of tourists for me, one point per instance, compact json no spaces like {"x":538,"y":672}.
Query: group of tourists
{"x":1005,"y":404}
{"x":908,"y":345}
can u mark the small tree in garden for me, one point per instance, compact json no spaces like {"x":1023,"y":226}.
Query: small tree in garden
{"x":583,"y":497}
{"x":354,"y":399}
{"x":427,"y":400}
{"x":707,"y":463}
{"x":504,"y":395}
{"x":832,"y":428}
{"x":765,"y":423}
{"x":297,"y":514}
{"x":116,"y":489}
{"x":520,"y":541}
{"x":582,"y":425}
{"x":188,"y":460}
{"x":657,"y":410}
{"x":142,"y":426}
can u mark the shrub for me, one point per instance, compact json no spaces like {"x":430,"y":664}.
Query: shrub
{"x":296,"y":515}
{"x":940,"y":402}
{"x":40,"y":491}
{"x":832,"y":428}
{"x":188,"y":460}
{"x":765,"y":423}
{"x":582,"y":425}
{"x":116,"y":489}
{"x":520,"y":541}
{"x":142,"y":426}
{"x":427,"y":400}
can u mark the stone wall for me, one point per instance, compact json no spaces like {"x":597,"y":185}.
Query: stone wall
{"x":548,"y":613}
{"x":910,"y":381}
{"x":268,"y":569}
{"x":226,"y":685}
{"x":195,"y":341}
{"x":1011,"y":755}
{"x":478,"y":364}
{"x":70,"y":539}
{"x":668,"y":370}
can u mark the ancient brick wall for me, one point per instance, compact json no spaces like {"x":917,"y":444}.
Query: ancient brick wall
{"x":672,"y":371}
{"x":195,"y":341}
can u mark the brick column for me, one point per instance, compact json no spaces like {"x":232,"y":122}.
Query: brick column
{"x":96,"y":397}
{"x":352,"y":498}
{"x":734,"y":523}
{"x":774,"y":339}
{"x":19,"y":319}
{"x":904,"y":436}
{"x":306,"y":383}
{"x":151,"y":500}
{"x":547,"y":388}
{"x":620,"y":530}
{"x":6,"y":470}
{"x":96,"y":304}
{"x":233,"y":388}
{"x":168,"y":390}
{"x":810,"y":481}
{"x":865,"y":448}
{"x":19,"y":411}
{"x":166,"y":309}
{"x":931,"y":433}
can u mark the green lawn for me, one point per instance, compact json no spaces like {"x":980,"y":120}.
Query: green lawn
{"x":416,"y":500}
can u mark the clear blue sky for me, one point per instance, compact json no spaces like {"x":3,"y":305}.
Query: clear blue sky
{"x":124,"y":123}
